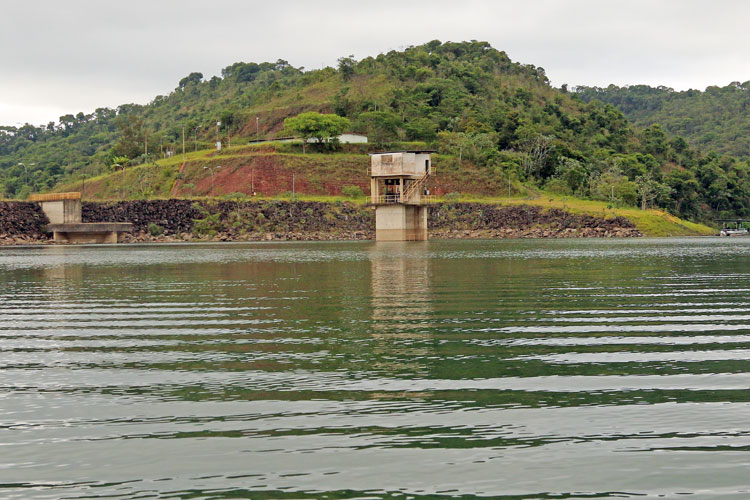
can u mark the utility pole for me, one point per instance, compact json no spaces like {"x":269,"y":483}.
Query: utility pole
{"x":26,"y":170}
{"x":183,"y":143}
{"x":212,"y":169}
{"x":257,"y":128}
{"x":122,"y":180}
{"x":252,"y":182}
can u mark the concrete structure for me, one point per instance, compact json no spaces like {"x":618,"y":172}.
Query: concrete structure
{"x":64,"y":213}
{"x":89,"y":232}
{"x":352,"y":139}
{"x":398,"y":190}
{"x":343,"y":139}
{"x":60,"y":208}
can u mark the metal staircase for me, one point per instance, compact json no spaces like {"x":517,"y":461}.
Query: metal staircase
{"x":411,"y":195}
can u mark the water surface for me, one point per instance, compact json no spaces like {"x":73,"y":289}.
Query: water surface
{"x":456,"y":369}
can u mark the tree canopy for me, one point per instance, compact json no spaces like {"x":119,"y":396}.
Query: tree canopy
{"x":716,"y":119}
{"x":318,"y":126}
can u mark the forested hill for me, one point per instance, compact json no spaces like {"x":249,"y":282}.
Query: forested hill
{"x":717,"y":119}
{"x":466,"y":99}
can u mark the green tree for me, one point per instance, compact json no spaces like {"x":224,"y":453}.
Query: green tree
{"x":314,"y":125}
{"x":118,"y":162}
{"x":346,"y":67}
{"x":650,"y":190}
{"x":193,"y":78}
{"x":241,"y":72}
{"x":575,"y":175}
{"x":380,"y":126}
{"x":611,"y":185}
{"x":684,"y":192}
{"x":132,"y":136}
{"x":479,"y":148}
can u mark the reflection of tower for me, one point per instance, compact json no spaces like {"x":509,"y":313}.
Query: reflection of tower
{"x":62,"y":282}
{"x":398,"y":183}
{"x":401,"y":306}
{"x":61,"y":289}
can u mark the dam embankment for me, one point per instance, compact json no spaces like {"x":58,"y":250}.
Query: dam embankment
{"x":214,"y":220}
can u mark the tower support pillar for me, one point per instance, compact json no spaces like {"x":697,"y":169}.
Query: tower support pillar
{"x":399,"y":222}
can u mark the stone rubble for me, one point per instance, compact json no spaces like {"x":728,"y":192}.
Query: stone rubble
{"x":22,"y":223}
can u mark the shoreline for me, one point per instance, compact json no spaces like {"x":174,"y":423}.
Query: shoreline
{"x":177,"y":220}
{"x":478,"y":234}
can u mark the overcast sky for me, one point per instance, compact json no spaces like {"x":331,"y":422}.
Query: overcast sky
{"x":66,"y":56}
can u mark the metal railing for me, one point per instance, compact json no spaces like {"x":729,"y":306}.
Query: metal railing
{"x":416,"y":187}
{"x":413,"y":195}
{"x":387,"y":199}
{"x":397,"y":173}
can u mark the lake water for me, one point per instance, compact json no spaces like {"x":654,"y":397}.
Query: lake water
{"x":456,"y":369}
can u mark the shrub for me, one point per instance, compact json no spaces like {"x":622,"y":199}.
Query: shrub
{"x":352,"y":192}
{"x":557,"y":186}
{"x":233,"y":196}
{"x":288,"y":195}
{"x":155,"y":229}
{"x":209,"y":225}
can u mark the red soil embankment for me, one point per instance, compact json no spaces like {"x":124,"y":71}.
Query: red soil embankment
{"x":271,"y":174}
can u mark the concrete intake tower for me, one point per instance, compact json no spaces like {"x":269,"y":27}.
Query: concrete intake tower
{"x":398,"y":187}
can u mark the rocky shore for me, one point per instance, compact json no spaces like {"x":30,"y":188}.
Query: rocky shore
{"x":22,"y":223}
{"x":176,"y":220}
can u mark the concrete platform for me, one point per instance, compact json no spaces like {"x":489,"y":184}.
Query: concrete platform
{"x":89,"y":232}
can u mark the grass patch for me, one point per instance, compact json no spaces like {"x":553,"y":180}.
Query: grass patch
{"x":656,"y":223}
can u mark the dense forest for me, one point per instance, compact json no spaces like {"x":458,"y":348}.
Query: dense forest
{"x":717,"y":119}
{"x":466,"y":99}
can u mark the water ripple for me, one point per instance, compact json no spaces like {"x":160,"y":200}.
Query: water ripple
{"x":446,"y":369}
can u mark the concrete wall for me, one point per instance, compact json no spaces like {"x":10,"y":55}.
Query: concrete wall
{"x":416,"y":223}
{"x":343,"y":139}
{"x":352,"y":139}
{"x":400,"y":223}
{"x":102,"y":237}
{"x":396,"y":164}
{"x":420,"y":164}
{"x":62,"y":211}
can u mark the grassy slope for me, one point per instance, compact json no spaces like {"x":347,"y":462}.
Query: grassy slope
{"x":320,"y":177}
{"x":649,"y":222}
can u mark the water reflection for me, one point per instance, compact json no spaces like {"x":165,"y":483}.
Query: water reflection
{"x":521,"y":369}
{"x":401,"y":299}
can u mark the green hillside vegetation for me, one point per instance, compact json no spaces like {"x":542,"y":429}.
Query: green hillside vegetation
{"x":267,"y":169}
{"x":717,"y":119}
{"x":491,"y":119}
